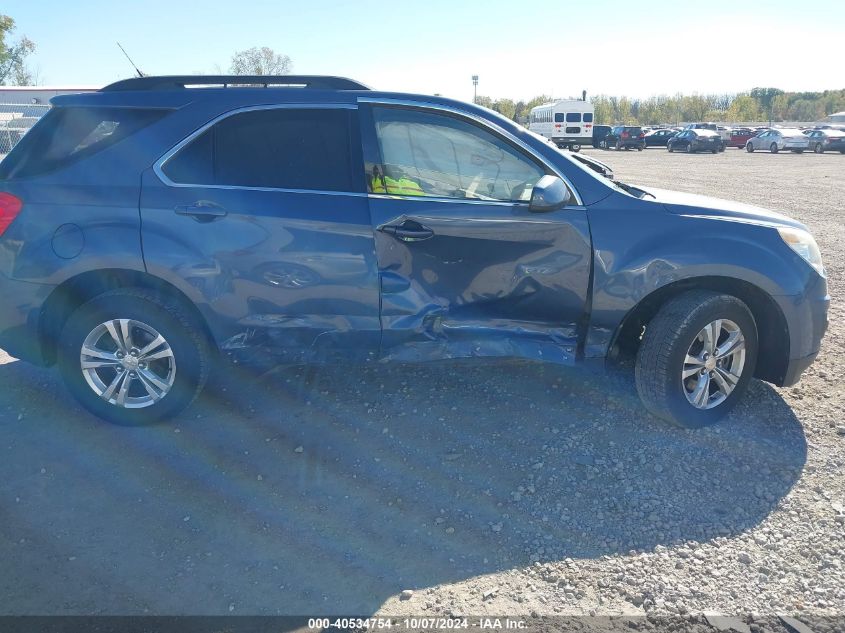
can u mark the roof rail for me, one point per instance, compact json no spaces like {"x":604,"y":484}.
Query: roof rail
{"x":177,"y":82}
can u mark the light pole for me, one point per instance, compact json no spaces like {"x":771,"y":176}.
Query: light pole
{"x":475,"y":88}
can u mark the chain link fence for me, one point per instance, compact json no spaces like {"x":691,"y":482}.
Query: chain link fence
{"x":15,"y":121}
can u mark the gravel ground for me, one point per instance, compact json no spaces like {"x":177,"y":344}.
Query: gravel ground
{"x":460,"y":488}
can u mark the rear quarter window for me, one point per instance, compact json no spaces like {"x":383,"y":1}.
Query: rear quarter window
{"x":276,"y":148}
{"x":66,"y":135}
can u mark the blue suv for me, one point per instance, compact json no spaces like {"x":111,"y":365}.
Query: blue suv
{"x":151,"y":224}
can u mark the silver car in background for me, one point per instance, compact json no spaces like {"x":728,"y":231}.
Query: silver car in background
{"x":777,"y":139}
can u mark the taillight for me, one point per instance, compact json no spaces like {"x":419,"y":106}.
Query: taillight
{"x":10,"y":206}
{"x":641,"y":136}
{"x":624,"y":135}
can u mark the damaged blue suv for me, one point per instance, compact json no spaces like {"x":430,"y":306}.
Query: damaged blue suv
{"x":148,"y":225}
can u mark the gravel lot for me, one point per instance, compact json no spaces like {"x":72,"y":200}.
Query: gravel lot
{"x":479,"y":488}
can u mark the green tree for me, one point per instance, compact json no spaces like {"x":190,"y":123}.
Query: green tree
{"x":806,"y":110}
{"x":260,"y":61}
{"x":744,"y":108}
{"x":13,"y":56}
{"x":779,"y":107}
{"x":603,"y":110}
{"x":764,"y":97}
{"x":505,"y":107}
{"x":484,"y":101}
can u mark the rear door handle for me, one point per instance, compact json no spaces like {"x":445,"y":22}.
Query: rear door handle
{"x":408,"y":231}
{"x":202,"y":211}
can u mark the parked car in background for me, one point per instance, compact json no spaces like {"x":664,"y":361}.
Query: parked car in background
{"x":625,"y":137}
{"x":696,"y":140}
{"x":658,"y":138}
{"x":777,"y":139}
{"x":739,"y":137}
{"x":701,"y":126}
{"x":826,"y":141}
{"x":600,"y":132}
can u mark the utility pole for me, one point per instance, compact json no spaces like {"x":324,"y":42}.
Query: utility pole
{"x":475,"y":88}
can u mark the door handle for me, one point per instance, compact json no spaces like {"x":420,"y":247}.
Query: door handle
{"x":408,"y":231}
{"x":201,"y":211}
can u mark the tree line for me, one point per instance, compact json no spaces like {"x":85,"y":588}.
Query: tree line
{"x":759,"y":104}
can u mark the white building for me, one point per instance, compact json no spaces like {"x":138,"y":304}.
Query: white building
{"x":38,"y":95}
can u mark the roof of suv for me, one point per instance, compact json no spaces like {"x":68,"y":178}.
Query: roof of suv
{"x":225,"y":92}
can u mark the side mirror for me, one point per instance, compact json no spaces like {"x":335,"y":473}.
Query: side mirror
{"x":549,"y":194}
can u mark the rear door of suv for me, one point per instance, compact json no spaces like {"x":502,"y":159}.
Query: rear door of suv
{"x":262,"y":219}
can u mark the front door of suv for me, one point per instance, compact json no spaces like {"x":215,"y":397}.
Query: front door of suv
{"x":466,"y":269}
{"x":262,"y":219}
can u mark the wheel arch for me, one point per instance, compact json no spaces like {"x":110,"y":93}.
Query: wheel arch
{"x":772,"y":328}
{"x":81,"y":288}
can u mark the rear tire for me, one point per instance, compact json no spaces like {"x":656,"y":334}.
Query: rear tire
{"x":818,"y":149}
{"x":117,"y":380}
{"x":673,"y":338}
{"x":669,"y":147}
{"x":575,"y":147}
{"x":618,"y":145}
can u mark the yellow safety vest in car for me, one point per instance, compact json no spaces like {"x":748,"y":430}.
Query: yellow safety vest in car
{"x":397,"y":187}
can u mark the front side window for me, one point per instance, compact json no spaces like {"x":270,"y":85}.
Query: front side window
{"x":425,"y":154}
{"x":573,"y":117}
{"x":277,"y":148}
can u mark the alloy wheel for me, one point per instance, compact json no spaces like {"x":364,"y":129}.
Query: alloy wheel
{"x":127,"y":363}
{"x":713,"y":364}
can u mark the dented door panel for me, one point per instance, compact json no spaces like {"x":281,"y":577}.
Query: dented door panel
{"x":494,"y":279}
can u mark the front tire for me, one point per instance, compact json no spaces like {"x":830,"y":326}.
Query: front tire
{"x":817,"y":148}
{"x":749,"y":147}
{"x":696,"y":358}
{"x":773,"y":148}
{"x":131,"y":357}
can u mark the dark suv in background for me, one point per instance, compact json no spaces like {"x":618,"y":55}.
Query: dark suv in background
{"x":625,"y":137}
{"x":600,"y":133}
{"x":148,"y":225}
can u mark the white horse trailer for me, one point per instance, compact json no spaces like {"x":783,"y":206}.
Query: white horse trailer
{"x":567,"y":123}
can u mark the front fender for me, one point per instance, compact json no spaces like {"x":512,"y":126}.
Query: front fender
{"x":644,"y":248}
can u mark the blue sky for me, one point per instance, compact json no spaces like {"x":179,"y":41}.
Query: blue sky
{"x":519,"y":49}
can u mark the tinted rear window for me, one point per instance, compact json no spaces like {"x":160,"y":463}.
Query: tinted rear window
{"x":573,"y":117}
{"x":66,"y":135}
{"x":279,"y":148}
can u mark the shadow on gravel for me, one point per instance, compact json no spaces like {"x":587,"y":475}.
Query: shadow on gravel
{"x":299,"y":491}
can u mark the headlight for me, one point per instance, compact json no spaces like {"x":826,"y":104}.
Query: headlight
{"x":803,"y":243}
